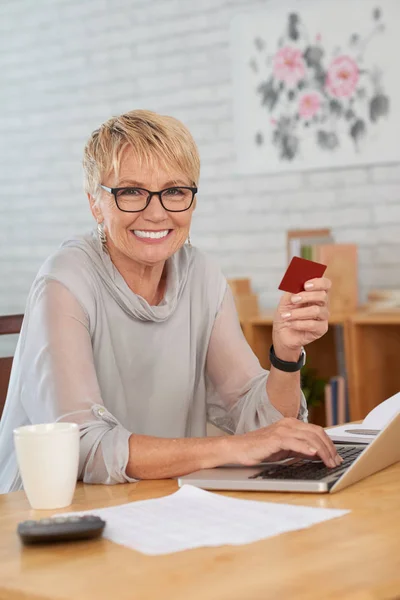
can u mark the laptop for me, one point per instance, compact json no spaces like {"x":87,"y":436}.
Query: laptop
{"x":300,"y":475}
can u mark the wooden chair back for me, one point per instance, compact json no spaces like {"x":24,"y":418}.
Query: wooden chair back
{"x":9,"y":324}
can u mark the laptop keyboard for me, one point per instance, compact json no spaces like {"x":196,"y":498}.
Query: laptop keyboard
{"x":309,"y":470}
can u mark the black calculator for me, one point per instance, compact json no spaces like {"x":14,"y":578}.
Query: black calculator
{"x":60,"y":529}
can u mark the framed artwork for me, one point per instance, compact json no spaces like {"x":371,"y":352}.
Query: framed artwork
{"x":317,"y":85}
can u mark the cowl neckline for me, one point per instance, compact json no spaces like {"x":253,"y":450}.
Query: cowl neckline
{"x":178,"y":266}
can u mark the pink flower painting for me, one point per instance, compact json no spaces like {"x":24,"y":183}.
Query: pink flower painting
{"x":342,"y":78}
{"x":289,"y":65}
{"x":309,"y":104}
{"x":312,"y":91}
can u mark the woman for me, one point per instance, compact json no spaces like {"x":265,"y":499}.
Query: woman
{"x":133,"y":334}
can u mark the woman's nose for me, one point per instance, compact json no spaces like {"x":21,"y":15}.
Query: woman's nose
{"x":155,"y":211}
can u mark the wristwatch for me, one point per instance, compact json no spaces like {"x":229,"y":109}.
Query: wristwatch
{"x":284,"y":365}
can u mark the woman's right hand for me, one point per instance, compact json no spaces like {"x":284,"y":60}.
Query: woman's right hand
{"x":287,"y":438}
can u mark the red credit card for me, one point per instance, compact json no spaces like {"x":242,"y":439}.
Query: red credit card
{"x":298,"y":273}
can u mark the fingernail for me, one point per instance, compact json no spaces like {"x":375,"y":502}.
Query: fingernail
{"x":286,"y":315}
{"x":338,"y":461}
{"x":296,"y":299}
{"x":308,"y":286}
{"x":332,"y":462}
{"x":313,"y":450}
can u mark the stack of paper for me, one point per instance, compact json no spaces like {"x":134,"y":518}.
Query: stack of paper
{"x":373,"y":423}
{"x":192,"y":517}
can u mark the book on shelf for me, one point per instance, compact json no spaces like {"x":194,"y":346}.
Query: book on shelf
{"x":341,"y":260}
{"x":336,"y":401}
{"x":344,"y":414}
{"x":328,"y":406}
{"x":298,"y":238}
{"x":342,"y":270}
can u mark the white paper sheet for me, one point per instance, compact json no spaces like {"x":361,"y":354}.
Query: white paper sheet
{"x":377,"y":419}
{"x":192,"y":517}
{"x":347,"y":433}
{"x":382,"y":414}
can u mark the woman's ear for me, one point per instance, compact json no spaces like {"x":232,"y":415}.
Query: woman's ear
{"x":95,"y":208}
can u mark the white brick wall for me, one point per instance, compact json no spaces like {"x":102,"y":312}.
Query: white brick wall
{"x":67,"y":65}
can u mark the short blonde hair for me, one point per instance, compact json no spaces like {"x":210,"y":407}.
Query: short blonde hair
{"x":150,"y":136}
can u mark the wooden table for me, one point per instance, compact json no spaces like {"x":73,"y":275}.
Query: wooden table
{"x":356,"y":556}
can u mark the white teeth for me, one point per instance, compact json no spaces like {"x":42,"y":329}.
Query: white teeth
{"x":151,"y":234}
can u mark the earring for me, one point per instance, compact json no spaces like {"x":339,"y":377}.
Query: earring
{"x":101,"y":233}
{"x":189,"y":243}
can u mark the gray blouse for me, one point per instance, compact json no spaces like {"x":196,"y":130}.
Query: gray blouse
{"x":93,"y":352}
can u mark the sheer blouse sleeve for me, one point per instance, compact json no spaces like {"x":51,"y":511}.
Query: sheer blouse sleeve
{"x":237,"y":399}
{"x":59,"y":382}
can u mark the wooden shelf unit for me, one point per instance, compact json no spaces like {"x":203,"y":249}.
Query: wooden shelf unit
{"x":371,"y":348}
{"x":374,"y":359}
{"x":321,"y":354}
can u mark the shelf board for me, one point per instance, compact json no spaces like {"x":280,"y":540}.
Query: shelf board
{"x":366,"y":317}
{"x":267,"y":317}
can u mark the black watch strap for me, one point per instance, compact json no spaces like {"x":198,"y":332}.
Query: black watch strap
{"x":283,"y":365}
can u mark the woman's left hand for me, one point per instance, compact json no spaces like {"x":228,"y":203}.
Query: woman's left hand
{"x":301,"y":318}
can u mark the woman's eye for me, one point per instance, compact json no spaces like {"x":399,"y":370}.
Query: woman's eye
{"x":131,"y":192}
{"x":173,"y":192}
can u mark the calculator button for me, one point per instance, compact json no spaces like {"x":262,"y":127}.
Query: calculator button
{"x":29,"y":523}
{"x":45,"y":521}
{"x":59,"y":520}
{"x":74,"y":519}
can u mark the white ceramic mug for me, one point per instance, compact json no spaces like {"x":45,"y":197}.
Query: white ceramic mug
{"x":48,"y":460}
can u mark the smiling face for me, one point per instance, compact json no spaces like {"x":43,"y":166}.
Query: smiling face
{"x":147,"y":238}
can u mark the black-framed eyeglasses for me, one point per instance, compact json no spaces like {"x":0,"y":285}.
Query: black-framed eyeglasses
{"x":135,"y":199}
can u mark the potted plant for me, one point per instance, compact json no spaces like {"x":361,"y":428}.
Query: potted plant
{"x":313,"y":388}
